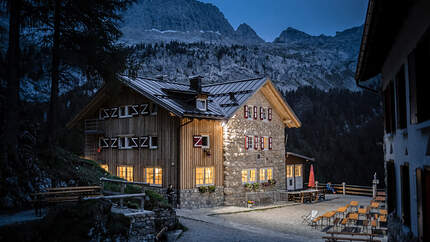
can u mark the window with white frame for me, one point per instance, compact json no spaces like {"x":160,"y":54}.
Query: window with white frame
{"x":266,"y":174}
{"x":201,"y":104}
{"x":153,"y":142}
{"x":248,"y":176}
{"x":153,"y":108}
{"x":125,"y":142}
{"x":123,"y":112}
{"x":153,"y":175}
{"x":249,"y":142}
{"x":205,"y":141}
{"x":204,"y":176}
{"x":125,"y":172}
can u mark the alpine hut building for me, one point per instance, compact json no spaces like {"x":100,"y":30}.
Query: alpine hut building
{"x":219,"y":136}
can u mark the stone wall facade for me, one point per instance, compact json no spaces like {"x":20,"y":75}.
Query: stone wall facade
{"x":192,"y":198}
{"x":237,"y":158}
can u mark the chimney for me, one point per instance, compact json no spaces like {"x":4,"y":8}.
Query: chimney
{"x":196,"y":83}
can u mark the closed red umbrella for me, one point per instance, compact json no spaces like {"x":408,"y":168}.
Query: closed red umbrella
{"x":311,"y":177}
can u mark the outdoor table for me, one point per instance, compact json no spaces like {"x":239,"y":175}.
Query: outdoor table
{"x":329,"y":215}
{"x":383,"y":212}
{"x":362,"y":211}
{"x":342,"y":210}
{"x":301,"y":194}
{"x":354,"y":204}
{"x":374,"y":205}
{"x":353,"y":216}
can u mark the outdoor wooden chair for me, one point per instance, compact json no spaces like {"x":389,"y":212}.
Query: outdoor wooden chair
{"x":307,"y":218}
{"x":316,"y":220}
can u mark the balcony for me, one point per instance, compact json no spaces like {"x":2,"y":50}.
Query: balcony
{"x":94,"y":126}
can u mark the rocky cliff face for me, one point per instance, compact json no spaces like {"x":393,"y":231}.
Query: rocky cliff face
{"x":182,"y":20}
{"x":246,"y":35}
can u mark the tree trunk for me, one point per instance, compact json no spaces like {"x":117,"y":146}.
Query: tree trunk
{"x":55,"y":76}
{"x":12,"y":107}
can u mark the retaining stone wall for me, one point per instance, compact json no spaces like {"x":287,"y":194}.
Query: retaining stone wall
{"x":192,"y":198}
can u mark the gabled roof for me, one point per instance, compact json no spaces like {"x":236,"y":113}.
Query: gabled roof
{"x":223,"y":99}
{"x":384,"y":19}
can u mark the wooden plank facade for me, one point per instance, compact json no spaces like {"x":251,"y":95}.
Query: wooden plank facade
{"x":192,"y":157}
{"x":161,"y":125}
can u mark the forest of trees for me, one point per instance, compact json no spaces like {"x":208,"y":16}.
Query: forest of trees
{"x":343,"y":130}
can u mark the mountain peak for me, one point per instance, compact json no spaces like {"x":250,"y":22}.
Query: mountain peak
{"x":291,"y":34}
{"x":247,"y":35}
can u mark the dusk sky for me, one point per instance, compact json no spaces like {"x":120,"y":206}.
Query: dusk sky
{"x":270,"y":17}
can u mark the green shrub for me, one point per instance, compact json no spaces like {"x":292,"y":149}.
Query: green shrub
{"x":211,"y":188}
{"x":203,"y":189}
{"x":255,"y":186}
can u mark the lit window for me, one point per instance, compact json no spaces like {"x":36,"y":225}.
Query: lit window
{"x":201,"y":104}
{"x":266,"y":174}
{"x":125,"y":172}
{"x":266,"y":143}
{"x":248,"y":176}
{"x":204,"y":176}
{"x":154,"y":176}
{"x":298,"y":170}
{"x":289,"y":171}
{"x":104,"y":167}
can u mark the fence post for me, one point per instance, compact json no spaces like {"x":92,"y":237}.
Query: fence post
{"x":121,"y":200}
{"x":316,"y":185}
{"x":142,"y":200}
{"x":343,"y":188}
{"x":374,"y":189}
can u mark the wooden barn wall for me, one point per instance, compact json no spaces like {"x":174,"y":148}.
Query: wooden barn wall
{"x":191,"y":157}
{"x":162,"y":125}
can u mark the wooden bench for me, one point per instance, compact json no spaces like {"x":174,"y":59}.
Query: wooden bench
{"x":341,"y":236}
{"x":57,"y":195}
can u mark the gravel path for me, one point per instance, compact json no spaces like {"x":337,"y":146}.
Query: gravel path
{"x":202,"y":231}
{"x":273,"y":224}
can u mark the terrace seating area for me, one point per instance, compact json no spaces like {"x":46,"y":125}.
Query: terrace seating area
{"x":353,"y":222}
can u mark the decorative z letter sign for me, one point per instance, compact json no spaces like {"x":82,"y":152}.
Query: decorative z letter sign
{"x":197,"y":141}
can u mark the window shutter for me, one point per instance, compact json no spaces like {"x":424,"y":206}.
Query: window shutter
{"x":270,"y":114}
{"x":262,"y":143}
{"x":245,"y":111}
{"x":270,"y":143}
{"x":246,"y":142}
{"x":256,"y":142}
{"x":261,"y":113}
{"x":412,"y":89}
{"x":255,"y":112}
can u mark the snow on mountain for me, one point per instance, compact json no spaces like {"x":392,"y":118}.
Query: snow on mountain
{"x":206,"y":44}
{"x":186,"y":21}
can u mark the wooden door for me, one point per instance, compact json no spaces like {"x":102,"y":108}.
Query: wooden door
{"x":298,"y":177}
{"x":290,"y":177}
{"x":423,"y":206}
{"x":406,"y":200}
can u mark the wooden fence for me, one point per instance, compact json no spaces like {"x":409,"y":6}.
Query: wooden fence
{"x":121,"y":194}
{"x":343,"y":188}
